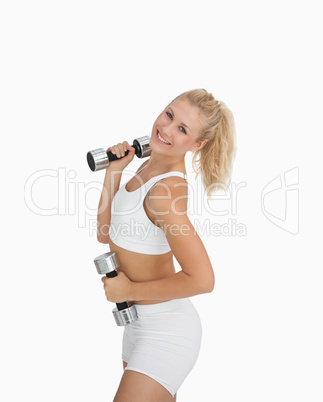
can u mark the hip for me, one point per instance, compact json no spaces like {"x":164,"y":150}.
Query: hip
{"x":177,"y":317}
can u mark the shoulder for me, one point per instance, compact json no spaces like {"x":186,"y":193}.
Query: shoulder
{"x":169,"y":195}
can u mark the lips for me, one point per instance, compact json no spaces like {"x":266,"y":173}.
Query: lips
{"x":162,"y":138}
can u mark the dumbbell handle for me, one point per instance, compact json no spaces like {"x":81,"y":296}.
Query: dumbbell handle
{"x":123,"y":305}
{"x":99,"y":159}
{"x":113,"y":157}
{"x":107,"y":264}
{"x":107,"y":157}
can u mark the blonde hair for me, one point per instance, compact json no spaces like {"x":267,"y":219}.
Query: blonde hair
{"x":217,"y":155}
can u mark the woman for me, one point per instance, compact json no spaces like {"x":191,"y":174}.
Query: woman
{"x":145,"y":224}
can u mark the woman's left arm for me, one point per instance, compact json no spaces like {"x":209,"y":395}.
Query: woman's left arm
{"x":169,"y":206}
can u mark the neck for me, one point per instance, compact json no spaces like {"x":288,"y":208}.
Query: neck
{"x":159,"y":164}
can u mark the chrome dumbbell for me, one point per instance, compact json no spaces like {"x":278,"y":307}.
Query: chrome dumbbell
{"x":107,"y":264}
{"x":99,"y":158}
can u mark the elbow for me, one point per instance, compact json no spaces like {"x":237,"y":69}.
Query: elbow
{"x":211,"y":287}
{"x":207,"y":286}
{"x":203,"y":282}
{"x":203,"y":287}
{"x":103,"y":239}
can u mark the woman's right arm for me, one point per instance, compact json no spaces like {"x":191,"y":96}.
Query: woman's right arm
{"x":111,"y":185}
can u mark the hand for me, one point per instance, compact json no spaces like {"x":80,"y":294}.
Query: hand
{"x":119,"y":150}
{"x":117,"y":289}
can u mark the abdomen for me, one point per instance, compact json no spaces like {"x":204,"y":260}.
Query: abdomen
{"x":142,"y":267}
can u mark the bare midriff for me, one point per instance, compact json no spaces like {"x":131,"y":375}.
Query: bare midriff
{"x":143,"y":268}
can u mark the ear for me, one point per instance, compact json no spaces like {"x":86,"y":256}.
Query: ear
{"x":199,"y":145}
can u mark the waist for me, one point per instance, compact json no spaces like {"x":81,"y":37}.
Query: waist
{"x":161,"y":307}
{"x":142,"y":267}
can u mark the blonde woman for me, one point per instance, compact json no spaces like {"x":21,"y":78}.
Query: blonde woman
{"x":145,"y":222}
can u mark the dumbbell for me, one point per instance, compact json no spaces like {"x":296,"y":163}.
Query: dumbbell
{"x":107,"y":264}
{"x":99,"y":158}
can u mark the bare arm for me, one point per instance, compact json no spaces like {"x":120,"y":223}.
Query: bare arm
{"x":197,"y":275}
{"x":110,"y":186}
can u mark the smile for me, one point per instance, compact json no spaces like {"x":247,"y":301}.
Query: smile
{"x":161,"y":139}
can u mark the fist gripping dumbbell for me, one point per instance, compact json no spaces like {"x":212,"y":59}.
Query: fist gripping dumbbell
{"x":107,"y":264}
{"x":99,"y":159}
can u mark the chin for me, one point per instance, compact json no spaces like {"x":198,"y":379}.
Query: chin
{"x":156,"y":149}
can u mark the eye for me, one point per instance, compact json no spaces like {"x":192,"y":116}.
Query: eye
{"x":171,"y":117}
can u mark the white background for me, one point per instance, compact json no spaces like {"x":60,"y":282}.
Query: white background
{"x":79,"y":75}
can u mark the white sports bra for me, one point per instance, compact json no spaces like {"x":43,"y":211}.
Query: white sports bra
{"x":130,"y":226}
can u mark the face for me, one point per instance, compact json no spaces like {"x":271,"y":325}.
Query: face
{"x":179,"y":125}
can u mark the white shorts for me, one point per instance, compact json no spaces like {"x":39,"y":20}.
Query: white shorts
{"x":164,"y":342}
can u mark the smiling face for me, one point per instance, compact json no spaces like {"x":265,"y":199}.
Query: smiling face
{"x":177,"y":129}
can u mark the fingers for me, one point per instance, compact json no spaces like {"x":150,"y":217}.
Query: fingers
{"x":120,"y":149}
{"x":117,"y":150}
{"x":104,"y":280}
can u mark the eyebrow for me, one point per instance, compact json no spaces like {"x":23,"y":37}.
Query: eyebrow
{"x":183,"y":124}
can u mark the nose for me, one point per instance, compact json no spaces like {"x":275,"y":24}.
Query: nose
{"x":166,"y":132}
{"x":166,"y":136}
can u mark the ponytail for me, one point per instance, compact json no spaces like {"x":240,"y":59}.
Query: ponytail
{"x":216,"y":157}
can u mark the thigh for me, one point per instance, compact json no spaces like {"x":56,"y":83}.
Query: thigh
{"x":138,"y":387}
